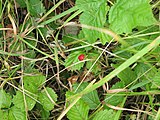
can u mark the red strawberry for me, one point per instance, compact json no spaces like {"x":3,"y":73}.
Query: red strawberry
{"x":81,"y":57}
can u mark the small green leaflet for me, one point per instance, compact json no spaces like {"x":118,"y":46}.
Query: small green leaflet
{"x":16,"y":114}
{"x":128,"y":14}
{"x":94,"y":14}
{"x":112,"y":99}
{"x":79,"y":111}
{"x":73,"y":59}
{"x":148,"y":70}
{"x":46,"y":102}
{"x":91,"y":98}
{"x":35,"y":81}
{"x":22,"y":3}
{"x":35,"y":7}
{"x":31,"y":84}
{"x":12,"y":113}
{"x":18,"y":101}
{"x":93,"y":56}
{"x":5,"y":99}
{"x":127,"y":75}
{"x":105,"y":115}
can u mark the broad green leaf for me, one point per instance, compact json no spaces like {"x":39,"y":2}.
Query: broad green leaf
{"x":35,"y":7}
{"x":18,"y":101}
{"x":79,"y":111}
{"x":156,"y":80}
{"x":91,"y":98}
{"x":115,"y":100}
{"x":94,"y":14}
{"x":73,"y":59}
{"x":128,"y":14}
{"x":47,"y":97}
{"x":5,"y":99}
{"x":105,"y":115}
{"x":127,"y":75}
{"x":16,"y":114}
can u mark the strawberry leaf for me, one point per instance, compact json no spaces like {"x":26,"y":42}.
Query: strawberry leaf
{"x":91,"y":98}
{"x":112,"y":99}
{"x":46,"y":102}
{"x":73,"y":59}
{"x":5,"y":99}
{"x":128,"y":14}
{"x":105,"y":114}
{"x":35,"y":7}
{"x":79,"y":111}
{"x":94,"y":14}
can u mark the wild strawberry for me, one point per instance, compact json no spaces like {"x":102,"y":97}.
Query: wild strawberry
{"x":81,"y":57}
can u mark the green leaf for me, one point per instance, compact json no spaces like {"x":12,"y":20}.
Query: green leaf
{"x":16,"y":114}
{"x":32,"y":83}
{"x":72,"y":59}
{"x":5,"y":99}
{"x":128,"y":14}
{"x":21,"y":3}
{"x":47,"y":97}
{"x":12,"y":114}
{"x":68,"y":39}
{"x":94,"y":14}
{"x":79,"y":111}
{"x":127,"y":75}
{"x":45,"y":32}
{"x":105,"y":114}
{"x":35,"y":7}
{"x":91,"y":98}
{"x":93,"y":56}
{"x":156,"y":80}
{"x":18,"y":101}
{"x":148,"y":70}
{"x":115,"y":100}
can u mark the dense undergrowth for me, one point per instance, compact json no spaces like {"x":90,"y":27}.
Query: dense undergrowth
{"x":79,"y":59}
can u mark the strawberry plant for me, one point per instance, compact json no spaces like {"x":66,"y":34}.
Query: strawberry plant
{"x":79,"y":59}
